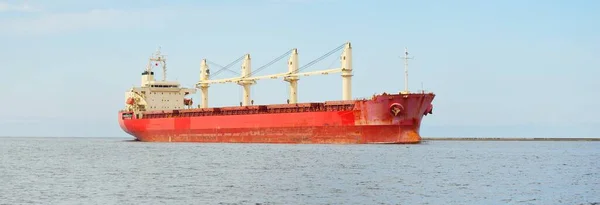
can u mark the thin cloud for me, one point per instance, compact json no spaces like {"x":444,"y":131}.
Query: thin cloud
{"x":93,"y":19}
{"x":24,"y":7}
{"x":299,"y":1}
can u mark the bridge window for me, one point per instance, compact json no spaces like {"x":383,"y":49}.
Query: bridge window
{"x":164,"y":86}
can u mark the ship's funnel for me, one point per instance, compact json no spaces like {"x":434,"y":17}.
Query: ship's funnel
{"x":147,"y":77}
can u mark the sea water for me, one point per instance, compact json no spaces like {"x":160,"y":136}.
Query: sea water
{"x":118,"y":171}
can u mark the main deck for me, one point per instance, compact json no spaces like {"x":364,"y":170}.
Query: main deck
{"x":248,"y":110}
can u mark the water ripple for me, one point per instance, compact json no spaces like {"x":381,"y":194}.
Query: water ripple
{"x":112,"y":171}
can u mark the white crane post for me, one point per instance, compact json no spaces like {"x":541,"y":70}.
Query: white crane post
{"x":293,"y":80}
{"x":346,"y":59}
{"x":246,"y":72}
{"x":204,"y":74}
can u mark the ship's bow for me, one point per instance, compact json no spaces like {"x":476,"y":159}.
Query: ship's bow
{"x":393,"y":118}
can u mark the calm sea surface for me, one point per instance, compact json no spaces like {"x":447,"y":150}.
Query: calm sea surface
{"x":116,"y":171}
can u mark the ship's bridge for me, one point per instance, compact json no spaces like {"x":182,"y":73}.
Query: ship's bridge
{"x":162,"y":84}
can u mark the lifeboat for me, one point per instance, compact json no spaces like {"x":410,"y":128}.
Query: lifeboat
{"x":188,"y":101}
{"x":130,"y":101}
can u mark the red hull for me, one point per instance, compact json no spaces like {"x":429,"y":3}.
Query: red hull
{"x":386,"y":118}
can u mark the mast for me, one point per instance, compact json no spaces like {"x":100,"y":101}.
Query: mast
{"x":293,"y":80}
{"x":246,"y":73}
{"x":204,"y":75}
{"x":406,"y":58}
{"x":346,"y":61}
{"x":162,"y":59}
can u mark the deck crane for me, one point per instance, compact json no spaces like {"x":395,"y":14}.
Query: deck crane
{"x":292,"y":76}
{"x":205,"y":76}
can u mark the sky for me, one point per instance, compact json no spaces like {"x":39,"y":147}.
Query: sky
{"x":498,"y":68}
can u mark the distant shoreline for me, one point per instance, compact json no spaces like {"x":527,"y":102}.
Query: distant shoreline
{"x":506,"y":139}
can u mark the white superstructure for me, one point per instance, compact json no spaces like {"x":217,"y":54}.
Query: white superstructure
{"x":157,"y":95}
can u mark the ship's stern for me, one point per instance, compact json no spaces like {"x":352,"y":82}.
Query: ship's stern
{"x":126,"y":122}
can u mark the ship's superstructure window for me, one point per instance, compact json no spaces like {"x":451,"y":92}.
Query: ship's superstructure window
{"x":164,"y":86}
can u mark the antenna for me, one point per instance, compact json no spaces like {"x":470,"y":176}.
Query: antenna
{"x":406,"y":58}
{"x":162,"y":59}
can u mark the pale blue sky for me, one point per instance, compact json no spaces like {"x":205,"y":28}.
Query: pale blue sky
{"x":507,"y":68}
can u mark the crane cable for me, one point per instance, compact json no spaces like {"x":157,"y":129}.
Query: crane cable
{"x":271,"y":63}
{"x":225,"y":67}
{"x":320,"y":58}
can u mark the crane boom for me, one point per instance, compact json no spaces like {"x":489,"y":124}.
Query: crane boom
{"x":292,"y":76}
{"x":273,"y":76}
{"x":226,"y":80}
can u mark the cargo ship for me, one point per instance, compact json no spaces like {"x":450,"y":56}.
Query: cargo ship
{"x":160,"y":110}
